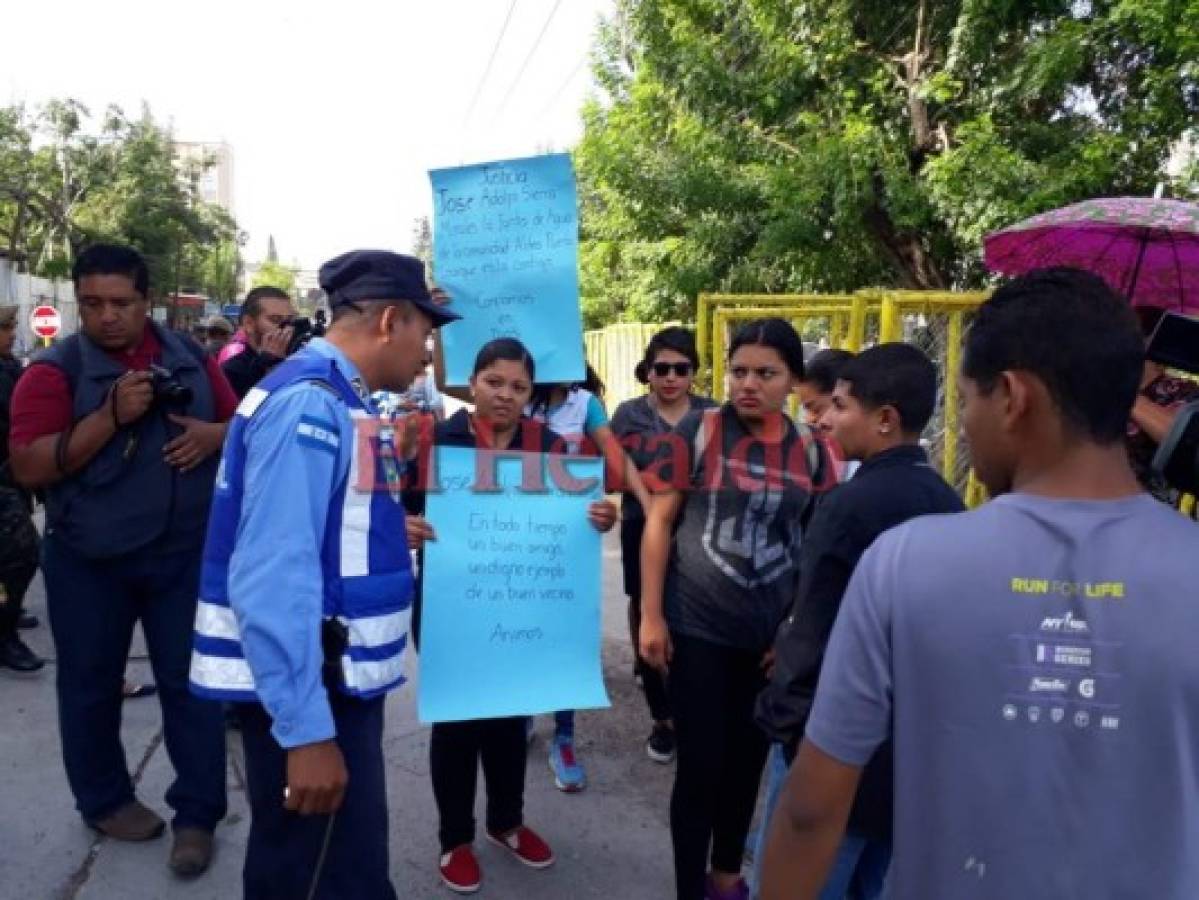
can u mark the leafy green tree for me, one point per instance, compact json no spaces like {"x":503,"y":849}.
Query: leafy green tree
{"x":828,"y":145}
{"x":274,"y":274}
{"x":66,"y":180}
{"x":422,"y":240}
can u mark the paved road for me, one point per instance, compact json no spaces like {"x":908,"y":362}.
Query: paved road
{"x":611,"y":841}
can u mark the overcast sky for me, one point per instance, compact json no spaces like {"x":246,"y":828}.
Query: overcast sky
{"x":335,"y":110}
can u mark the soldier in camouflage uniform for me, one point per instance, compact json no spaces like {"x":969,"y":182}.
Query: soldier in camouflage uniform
{"x":18,"y":536}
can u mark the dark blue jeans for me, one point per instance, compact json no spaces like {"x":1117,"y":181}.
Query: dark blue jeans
{"x":93,"y":605}
{"x":284,"y":847}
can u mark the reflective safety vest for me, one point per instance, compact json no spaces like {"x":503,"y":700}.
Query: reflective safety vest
{"x":367,"y":570}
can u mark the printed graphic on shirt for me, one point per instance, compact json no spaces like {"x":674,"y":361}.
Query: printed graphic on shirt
{"x":1062,"y":674}
{"x":738,"y":531}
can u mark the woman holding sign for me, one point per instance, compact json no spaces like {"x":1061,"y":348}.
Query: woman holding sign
{"x":732,"y":488}
{"x":642,"y":425}
{"x":501,"y":385}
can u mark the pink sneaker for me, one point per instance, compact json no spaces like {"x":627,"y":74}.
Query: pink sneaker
{"x":526,"y":845}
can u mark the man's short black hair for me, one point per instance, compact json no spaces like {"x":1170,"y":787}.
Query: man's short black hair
{"x":112,"y":259}
{"x":824,"y":368}
{"x":1075,"y":334}
{"x":895,"y":375}
{"x":252,"y":308}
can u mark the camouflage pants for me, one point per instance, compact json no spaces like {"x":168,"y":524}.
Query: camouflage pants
{"x":18,"y":555}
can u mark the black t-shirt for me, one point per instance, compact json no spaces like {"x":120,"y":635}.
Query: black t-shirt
{"x":639,"y":428}
{"x":731,"y":578}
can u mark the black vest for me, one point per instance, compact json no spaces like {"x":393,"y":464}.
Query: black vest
{"x":127,"y":496}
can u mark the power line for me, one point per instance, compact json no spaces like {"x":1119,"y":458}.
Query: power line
{"x":490,"y":61}
{"x":528,"y":59}
{"x":549,"y":105}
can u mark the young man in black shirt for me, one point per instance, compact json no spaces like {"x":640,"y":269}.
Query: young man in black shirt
{"x":882,"y":402}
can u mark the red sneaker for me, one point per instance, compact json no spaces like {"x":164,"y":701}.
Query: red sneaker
{"x":525,"y":845}
{"x":460,"y":870}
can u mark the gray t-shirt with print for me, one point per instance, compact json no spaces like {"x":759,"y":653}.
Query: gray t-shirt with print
{"x":1036,"y":662}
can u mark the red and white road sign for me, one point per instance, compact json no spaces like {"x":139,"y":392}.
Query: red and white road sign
{"x":45,"y":321}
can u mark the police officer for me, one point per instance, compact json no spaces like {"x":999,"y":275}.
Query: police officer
{"x":307,"y":586}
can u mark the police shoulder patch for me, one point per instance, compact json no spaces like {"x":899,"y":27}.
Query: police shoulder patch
{"x":318,"y":434}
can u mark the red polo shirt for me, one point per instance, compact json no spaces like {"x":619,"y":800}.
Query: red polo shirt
{"x":42,"y":402}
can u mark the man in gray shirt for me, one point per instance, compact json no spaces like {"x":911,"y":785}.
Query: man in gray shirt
{"x":1033,"y":660}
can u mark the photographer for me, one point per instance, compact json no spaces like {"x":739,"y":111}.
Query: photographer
{"x":121,"y":425}
{"x":266,"y":323}
{"x":1160,"y":398}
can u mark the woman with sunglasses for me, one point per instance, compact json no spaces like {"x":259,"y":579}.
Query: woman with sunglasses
{"x":500,"y":386}
{"x":732,"y":489}
{"x":669,"y":369}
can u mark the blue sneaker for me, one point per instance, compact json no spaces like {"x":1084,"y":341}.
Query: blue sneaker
{"x":568,"y":773}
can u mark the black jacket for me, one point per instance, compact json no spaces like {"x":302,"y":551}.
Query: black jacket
{"x":248,"y":368}
{"x":886,"y":491}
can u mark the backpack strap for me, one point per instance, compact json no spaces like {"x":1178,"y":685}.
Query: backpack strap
{"x":703,"y":434}
{"x":814,"y":456}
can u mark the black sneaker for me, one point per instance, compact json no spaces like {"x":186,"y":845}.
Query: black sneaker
{"x":660,"y":745}
{"x":18,"y":657}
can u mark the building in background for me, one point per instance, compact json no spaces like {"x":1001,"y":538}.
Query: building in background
{"x":216,"y":182}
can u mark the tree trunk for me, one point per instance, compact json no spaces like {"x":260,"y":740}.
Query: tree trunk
{"x":917,"y":270}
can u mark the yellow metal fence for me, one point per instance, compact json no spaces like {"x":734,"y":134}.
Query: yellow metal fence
{"x":932,"y":320}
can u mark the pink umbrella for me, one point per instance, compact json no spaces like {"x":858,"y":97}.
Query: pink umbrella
{"x":1146,"y":249}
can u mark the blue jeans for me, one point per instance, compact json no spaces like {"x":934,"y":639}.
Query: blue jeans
{"x":860,"y":868}
{"x":93,"y":605}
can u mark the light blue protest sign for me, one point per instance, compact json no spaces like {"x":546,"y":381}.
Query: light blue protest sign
{"x":510,"y":622}
{"x":506,"y":250}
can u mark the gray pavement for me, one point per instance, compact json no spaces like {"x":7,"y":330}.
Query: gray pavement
{"x":610,"y":841}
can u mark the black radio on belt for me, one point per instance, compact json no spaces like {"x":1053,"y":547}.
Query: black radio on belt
{"x":335,"y":637}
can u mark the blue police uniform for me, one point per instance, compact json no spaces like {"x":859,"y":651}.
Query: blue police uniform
{"x":296,"y":543}
{"x":305,"y":596}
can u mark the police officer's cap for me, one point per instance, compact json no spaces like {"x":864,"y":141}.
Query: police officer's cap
{"x":381,"y":275}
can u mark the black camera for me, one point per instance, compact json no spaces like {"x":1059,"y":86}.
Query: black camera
{"x":169,"y":392}
{"x":302,"y":333}
{"x":1175,"y":343}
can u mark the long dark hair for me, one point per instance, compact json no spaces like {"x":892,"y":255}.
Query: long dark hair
{"x":778,"y":335}
{"x":507,"y":349}
{"x":675,"y":338}
{"x":824,"y":369}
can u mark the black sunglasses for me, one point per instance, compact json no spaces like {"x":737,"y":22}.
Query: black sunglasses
{"x":662,"y":369}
